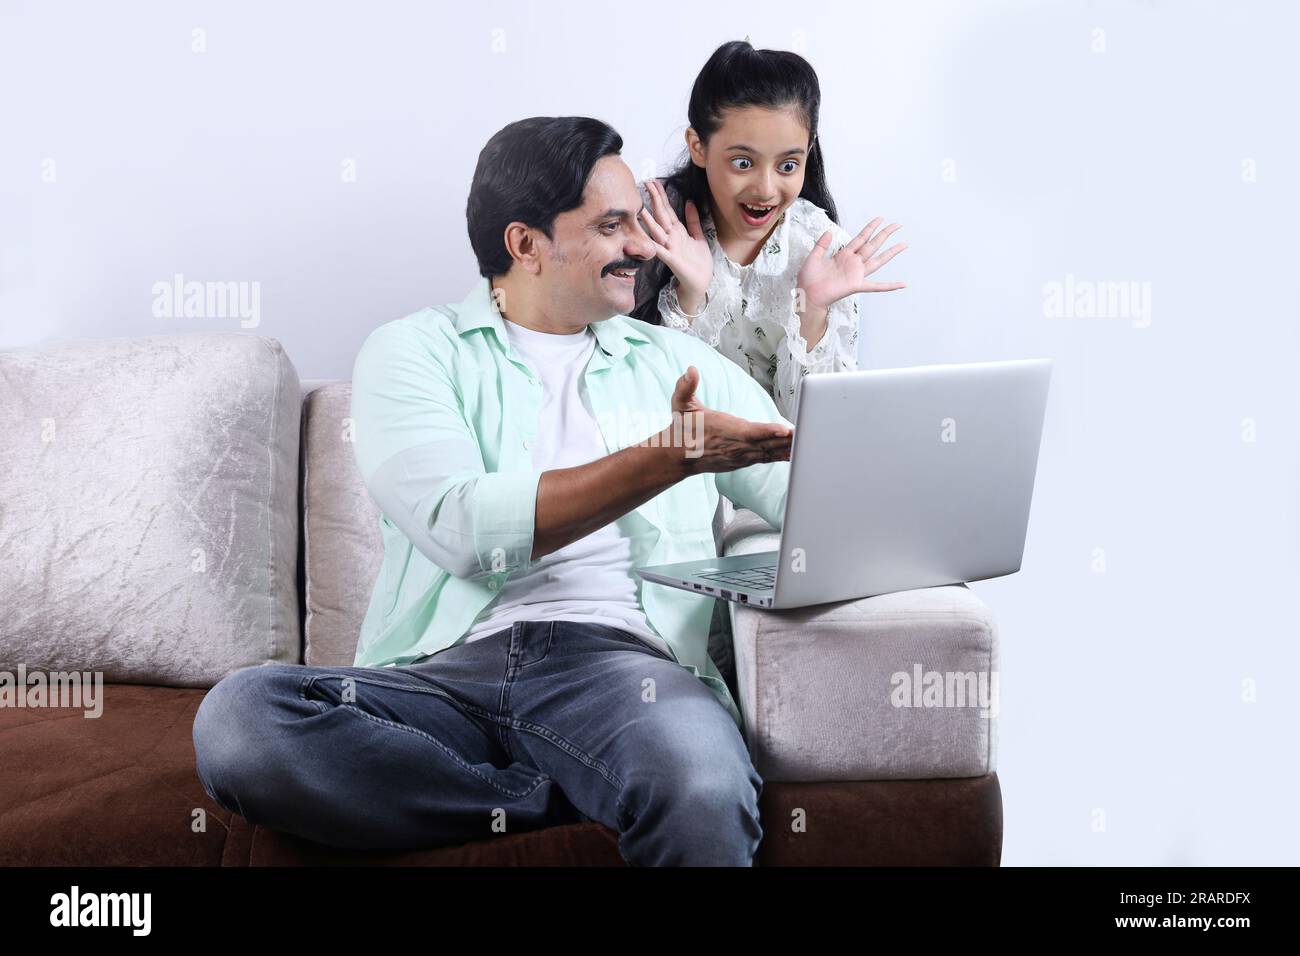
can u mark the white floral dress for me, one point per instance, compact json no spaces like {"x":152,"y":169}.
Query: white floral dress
{"x":750,"y":317}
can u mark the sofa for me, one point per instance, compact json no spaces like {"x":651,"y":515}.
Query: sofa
{"x":179,"y":506}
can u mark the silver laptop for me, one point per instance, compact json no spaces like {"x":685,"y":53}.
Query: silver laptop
{"x":899,"y":478}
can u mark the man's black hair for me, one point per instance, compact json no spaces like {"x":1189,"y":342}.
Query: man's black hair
{"x":530,"y":172}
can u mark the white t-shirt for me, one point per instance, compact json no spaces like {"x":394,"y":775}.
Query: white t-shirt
{"x":589,"y":579}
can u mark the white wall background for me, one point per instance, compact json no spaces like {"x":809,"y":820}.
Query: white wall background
{"x":1014,"y":142}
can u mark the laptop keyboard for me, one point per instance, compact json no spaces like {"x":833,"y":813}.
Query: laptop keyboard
{"x":756,"y":579}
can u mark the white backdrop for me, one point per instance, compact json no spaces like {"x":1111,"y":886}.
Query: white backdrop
{"x":321,"y":154}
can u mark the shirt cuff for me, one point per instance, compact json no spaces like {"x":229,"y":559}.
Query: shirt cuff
{"x":505,"y":512}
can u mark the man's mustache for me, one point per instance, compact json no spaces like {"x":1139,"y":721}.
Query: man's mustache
{"x":625,"y":264}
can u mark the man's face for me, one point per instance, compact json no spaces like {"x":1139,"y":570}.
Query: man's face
{"x":589,"y":269}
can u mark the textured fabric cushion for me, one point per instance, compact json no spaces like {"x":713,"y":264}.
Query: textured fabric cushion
{"x":818,"y":689}
{"x":149,"y":507}
{"x":343,"y":548}
{"x":121,"y":790}
{"x":954,"y":822}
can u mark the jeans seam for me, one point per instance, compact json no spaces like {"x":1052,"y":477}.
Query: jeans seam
{"x":451,"y":754}
{"x":547,"y":734}
{"x":503,"y":698}
{"x":436,"y":691}
{"x":610,"y":777}
{"x":391,"y":686}
{"x":568,"y":747}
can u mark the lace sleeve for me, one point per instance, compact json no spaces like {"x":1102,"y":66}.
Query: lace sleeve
{"x":837,"y":351}
{"x":707,"y":326}
{"x":822,"y":351}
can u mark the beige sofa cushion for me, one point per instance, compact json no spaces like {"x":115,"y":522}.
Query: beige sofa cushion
{"x":149,"y":507}
{"x":819,"y":691}
{"x":343,"y":549}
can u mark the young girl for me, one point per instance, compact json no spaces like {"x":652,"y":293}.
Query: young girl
{"x":761,"y":270}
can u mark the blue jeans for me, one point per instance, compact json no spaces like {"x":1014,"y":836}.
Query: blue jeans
{"x":542,"y":723}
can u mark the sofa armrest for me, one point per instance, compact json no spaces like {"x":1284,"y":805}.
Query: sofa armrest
{"x":896,"y":686}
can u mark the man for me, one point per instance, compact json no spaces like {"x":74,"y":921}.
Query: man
{"x":528,"y":448}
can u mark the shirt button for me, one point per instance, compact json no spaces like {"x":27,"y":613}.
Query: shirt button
{"x":492,"y":584}
{"x":532,"y":381}
{"x":527,"y":444}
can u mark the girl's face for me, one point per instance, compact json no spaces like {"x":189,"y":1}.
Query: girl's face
{"x":755,"y":165}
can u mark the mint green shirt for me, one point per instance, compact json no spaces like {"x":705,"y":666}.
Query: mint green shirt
{"x":444,"y":413}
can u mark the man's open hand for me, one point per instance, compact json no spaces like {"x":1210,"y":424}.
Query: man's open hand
{"x":716,"y":441}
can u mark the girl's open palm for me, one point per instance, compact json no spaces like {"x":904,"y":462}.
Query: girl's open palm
{"x":827,"y":280}
{"x":683,"y":249}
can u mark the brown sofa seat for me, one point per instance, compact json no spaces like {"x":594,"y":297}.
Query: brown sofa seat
{"x":121,"y":790}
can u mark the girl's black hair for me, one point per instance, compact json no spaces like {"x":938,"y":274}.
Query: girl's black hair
{"x":737,"y":76}
{"x":531,"y":171}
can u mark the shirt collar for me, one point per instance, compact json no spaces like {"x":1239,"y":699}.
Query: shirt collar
{"x":479,"y":310}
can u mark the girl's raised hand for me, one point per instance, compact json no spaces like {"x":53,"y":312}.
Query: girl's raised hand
{"x":683,"y":249}
{"x":827,"y":280}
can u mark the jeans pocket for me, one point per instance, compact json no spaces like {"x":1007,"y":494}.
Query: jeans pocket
{"x":352,"y":684}
{"x":638,"y":643}
{"x":533,"y":641}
